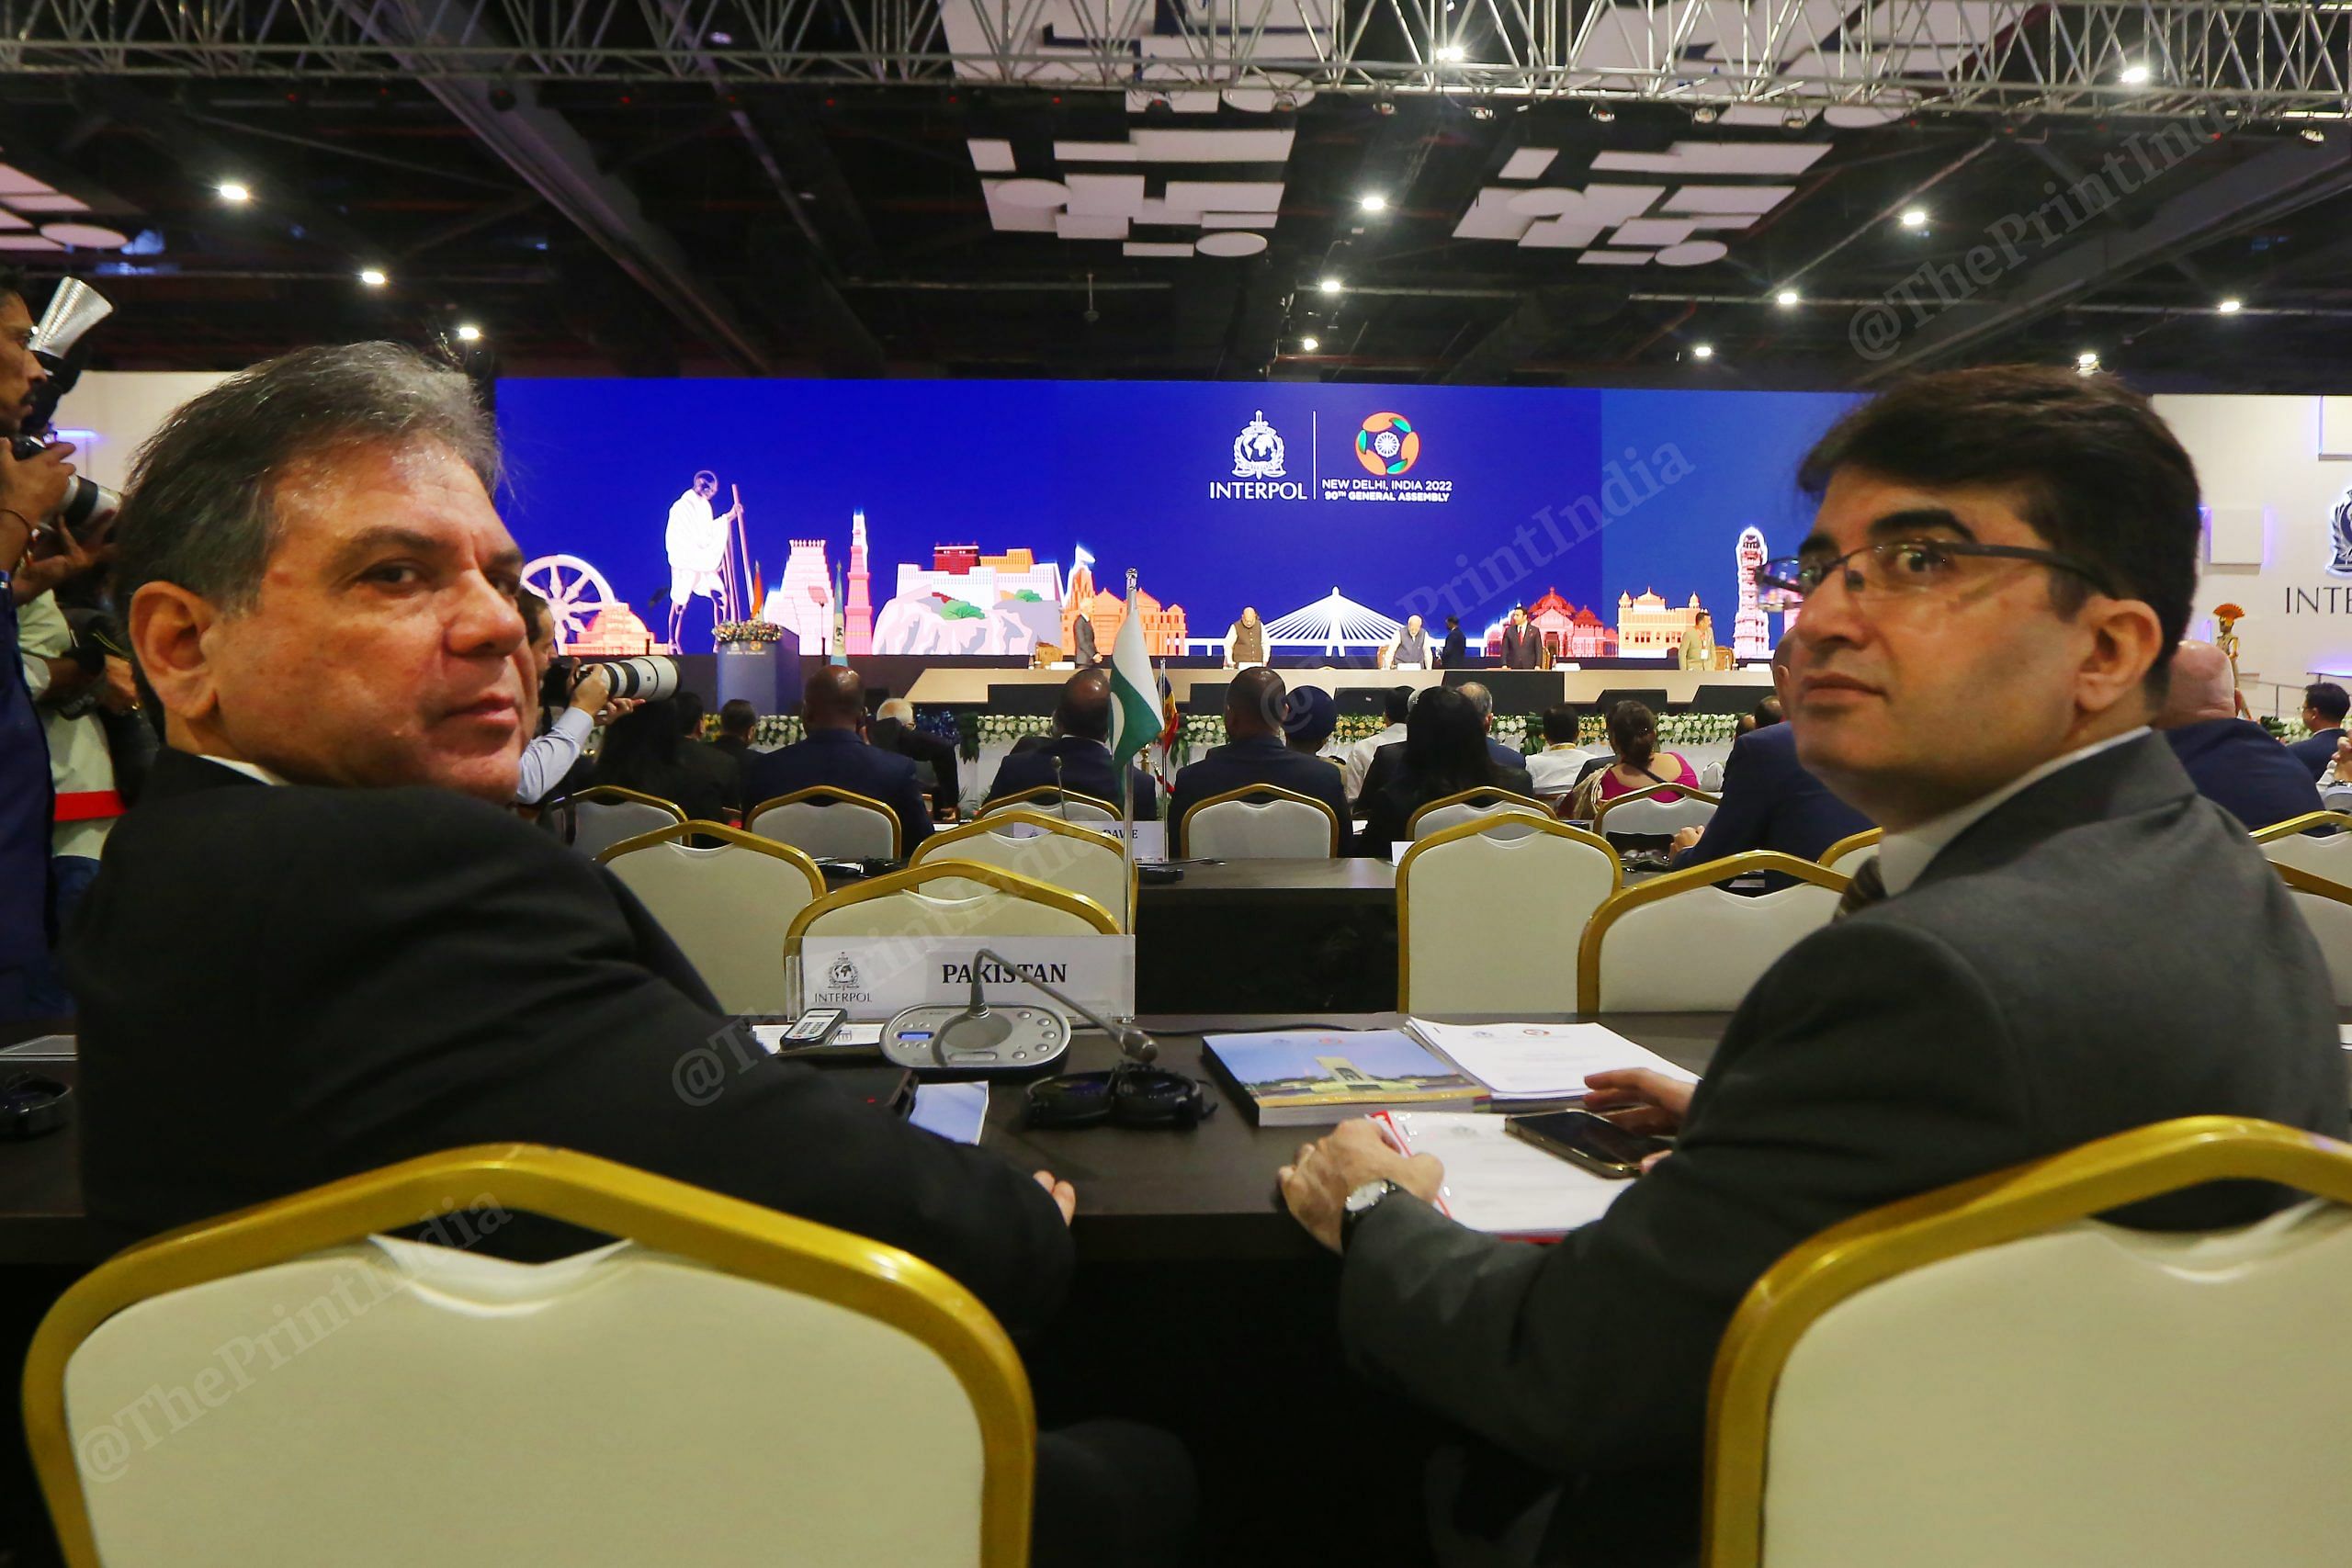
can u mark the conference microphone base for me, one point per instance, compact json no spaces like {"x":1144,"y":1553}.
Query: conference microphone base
{"x":944,"y":1042}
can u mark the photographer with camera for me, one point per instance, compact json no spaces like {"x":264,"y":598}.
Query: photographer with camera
{"x":580,"y":698}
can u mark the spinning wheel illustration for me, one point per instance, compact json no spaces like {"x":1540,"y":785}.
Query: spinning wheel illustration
{"x":574,"y":590}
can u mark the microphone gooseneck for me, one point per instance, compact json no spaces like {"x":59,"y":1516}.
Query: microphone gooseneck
{"x":1133,"y":1042}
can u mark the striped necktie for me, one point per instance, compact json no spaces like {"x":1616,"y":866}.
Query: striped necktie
{"x":1867,"y":887}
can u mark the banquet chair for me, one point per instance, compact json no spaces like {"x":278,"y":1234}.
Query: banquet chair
{"x":1070,"y":806}
{"x":1846,"y":854}
{"x":1046,"y":849}
{"x":1640,"y":811}
{"x":1989,"y":1373}
{"x":1680,"y":942}
{"x":1467,"y":806}
{"x":723,"y":1384}
{"x":1259,"y":822}
{"x":2326,"y":907}
{"x":2291,"y":842}
{"x":605,"y":815}
{"x":824,"y":820}
{"x":1462,"y":949}
{"x":727,"y":905}
{"x":938,"y":898}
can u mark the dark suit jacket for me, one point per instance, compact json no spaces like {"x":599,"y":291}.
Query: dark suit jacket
{"x":1237,"y":764}
{"x":693,"y":788}
{"x":2239,"y":765}
{"x":2317,"y":749}
{"x":1522,"y":647}
{"x":1771,"y":802}
{"x":842,"y":758}
{"x":2036,"y":989}
{"x":1456,"y":652}
{"x":1086,"y":769}
{"x":280,"y":985}
{"x":917,"y":747}
{"x":722,"y":767}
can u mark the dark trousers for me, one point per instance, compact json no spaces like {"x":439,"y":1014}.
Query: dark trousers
{"x":1112,"y":1493}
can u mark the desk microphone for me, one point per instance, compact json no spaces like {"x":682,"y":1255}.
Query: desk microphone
{"x":976,"y":1041}
{"x":1061,"y":794}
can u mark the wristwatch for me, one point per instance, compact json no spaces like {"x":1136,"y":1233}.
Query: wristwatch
{"x":1359,"y":1203}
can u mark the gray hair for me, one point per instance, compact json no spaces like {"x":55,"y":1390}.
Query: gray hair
{"x":1480,"y":698}
{"x":202,"y":504}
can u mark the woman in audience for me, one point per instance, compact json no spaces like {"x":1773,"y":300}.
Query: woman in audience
{"x":1445,"y":753}
{"x":641,"y":753}
{"x":1637,"y":763}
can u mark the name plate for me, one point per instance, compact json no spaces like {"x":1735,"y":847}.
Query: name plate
{"x":873,"y":976}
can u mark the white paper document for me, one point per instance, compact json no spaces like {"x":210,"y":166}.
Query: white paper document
{"x":1503,"y":1185}
{"x":1540,"y":1061}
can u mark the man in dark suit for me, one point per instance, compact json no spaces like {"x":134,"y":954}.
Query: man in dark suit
{"x":2324,"y":706}
{"x":2234,"y":761}
{"x":834,"y":752}
{"x":1971,"y":1012}
{"x":1388,"y":759}
{"x":1256,"y":753}
{"x":894,"y":730}
{"x":737,"y":720}
{"x":1770,"y":801}
{"x":1522,"y":646}
{"x":1079,"y":757}
{"x":704,"y":759}
{"x":1456,"y":652}
{"x":320,"y":884}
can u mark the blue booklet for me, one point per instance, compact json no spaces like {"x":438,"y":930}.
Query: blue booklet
{"x":1297,"y":1077}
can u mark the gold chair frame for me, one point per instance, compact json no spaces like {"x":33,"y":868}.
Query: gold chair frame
{"x":1648,"y":792}
{"x":1665,"y":886}
{"x":735,"y":838}
{"x":1459,"y":830}
{"x":1850,"y":842}
{"x":832,"y":794}
{"x":2026,"y":1200}
{"x":913,"y":878}
{"x":1465,"y":797}
{"x":936,"y":844}
{"x":744,"y":1239}
{"x":1255,"y":792}
{"x":2303,"y":824}
{"x":1037,"y":793}
{"x":617,"y":794}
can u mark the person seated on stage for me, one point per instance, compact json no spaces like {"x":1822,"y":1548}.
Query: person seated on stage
{"x":2234,"y":761}
{"x":1634,"y":762}
{"x":1456,"y":652}
{"x":832,"y":711}
{"x":1393,"y":705}
{"x":2001,"y":564}
{"x":1770,"y":801}
{"x":1078,"y":759}
{"x":894,"y":730}
{"x":1254,"y":753}
{"x":1446,"y":750}
{"x":1555,"y":769}
{"x":1523,"y":644}
{"x":1698,"y":651}
{"x":737,"y":720}
{"x":2324,"y":706}
{"x":1411,"y":648}
{"x":699,"y":756}
{"x":1309,"y":716}
{"x":1245,"y":640}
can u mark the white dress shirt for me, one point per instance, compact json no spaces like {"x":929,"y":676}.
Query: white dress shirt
{"x":1358,"y":759}
{"x":254,"y":770}
{"x":550,"y":756}
{"x":1555,"y":767}
{"x":1903,"y":856}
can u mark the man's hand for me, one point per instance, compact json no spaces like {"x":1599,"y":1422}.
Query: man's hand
{"x":594,"y":690}
{"x":120,"y":691}
{"x":1317,"y":1183}
{"x":2344,"y":758}
{"x":57,"y":558}
{"x":616,"y":708}
{"x":1639,"y":1100}
{"x":1064,"y":1195}
{"x":1685,"y":837}
{"x":31,"y":487}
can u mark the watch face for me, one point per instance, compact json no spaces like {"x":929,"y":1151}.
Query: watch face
{"x":1365,"y":1196}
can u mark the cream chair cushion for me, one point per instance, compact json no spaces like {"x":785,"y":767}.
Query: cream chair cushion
{"x":1655,"y":817}
{"x":843,"y":830}
{"x":603,"y":824}
{"x":1083,"y":811}
{"x":1257,"y":829}
{"x":946,"y":907}
{"x":727,"y":908}
{"x":1439,"y":818}
{"x":1700,"y":950}
{"x":2330,"y":923}
{"x":1083,"y":865}
{"x":2328,"y":855}
{"x":1468,"y":948}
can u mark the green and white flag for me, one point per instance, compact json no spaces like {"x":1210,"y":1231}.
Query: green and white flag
{"x":1135,"y":696}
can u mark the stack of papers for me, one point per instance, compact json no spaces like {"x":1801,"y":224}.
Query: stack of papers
{"x":1500,"y":1184}
{"x":1534,"y":1061}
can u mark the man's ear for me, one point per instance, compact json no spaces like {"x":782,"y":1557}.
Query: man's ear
{"x":168,"y":623}
{"x":2125,"y":640}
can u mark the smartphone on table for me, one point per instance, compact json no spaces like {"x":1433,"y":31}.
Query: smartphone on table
{"x":1597,"y":1144}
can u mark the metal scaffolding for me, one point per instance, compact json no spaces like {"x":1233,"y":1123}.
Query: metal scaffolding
{"x":1746,"y":60}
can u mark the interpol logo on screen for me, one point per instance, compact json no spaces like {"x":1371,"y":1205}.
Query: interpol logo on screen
{"x":1381,"y":452}
{"x":1259,"y":474}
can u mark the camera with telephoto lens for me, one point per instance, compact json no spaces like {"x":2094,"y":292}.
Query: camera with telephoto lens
{"x":87,"y":502}
{"x":650,"y":676}
{"x":72,"y":310}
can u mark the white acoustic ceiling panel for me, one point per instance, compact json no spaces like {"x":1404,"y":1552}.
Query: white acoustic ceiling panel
{"x":32,"y":217}
{"x":1781,"y":158}
{"x":1529,"y":162}
{"x":991,"y":157}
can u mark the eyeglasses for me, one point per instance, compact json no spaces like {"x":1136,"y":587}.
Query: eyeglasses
{"x":1902,"y":567}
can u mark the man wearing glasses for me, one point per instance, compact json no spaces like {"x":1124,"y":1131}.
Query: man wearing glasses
{"x":2059,"y":939}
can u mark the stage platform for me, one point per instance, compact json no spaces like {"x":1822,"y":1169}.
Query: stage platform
{"x":1516,"y":691}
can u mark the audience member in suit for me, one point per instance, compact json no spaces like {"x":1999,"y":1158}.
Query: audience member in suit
{"x":894,"y":730}
{"x":644,"y":751}
{"x":1389,"y":757}
{"x":322,"y":880}
{"x":1081,"y":747}
{"x":1256,"y":753}
{"x":1971,"y":1012}
{"x":737,"y":720}
{"x":2324,"y":706}
{"x":1444,"y":752}
{"x":1765,"y":714}
{"x":1394,"y":704}
{"x":1505,"y":756}
{"x":1555,"y":769}
{"x":697,"y":755}
{"x":832,"y":710}
{"x":1523,"y":644}
{"x":1455,"y":653}
{"x":1769,"y":802}
{"x":2234,"y":761}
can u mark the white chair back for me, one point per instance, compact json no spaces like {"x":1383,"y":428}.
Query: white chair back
{"x":1460,"y":948}
{"x":938,"y":898}
{"x":601,"y":824}
{"x":1845,"y":856}
{"x":2327,"y":855}
{"x":1084,"y":811}
{"x":1439,"y":818}
{"x":2076,"y":1394}
{"x":1045,"y":849}
{"x":627,"y":1405}
{"x":2326,"y":908}
{"x":1642,"y":813}
{"x":1276,"y":825}
{"x":728,"y":906}
{"x":1681,"y":944}
{"x":835,"y":827}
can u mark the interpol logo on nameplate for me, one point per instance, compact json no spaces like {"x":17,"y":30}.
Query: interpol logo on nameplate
{"x":873,"y":976}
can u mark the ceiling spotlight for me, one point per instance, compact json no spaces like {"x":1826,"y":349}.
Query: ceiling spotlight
{"x":2135,"y":75}
{"x":1705,"y":114}
{"x":722,"y":40}
{"x":2315,"y":135}
{"x":2085,"y":361}
{"x":1383,"y":107}
{"x":1330,"y":285}
{"x":1702,"y":351}
{"x":1603,"y":113}
{"x":468,"y":332}
{"x":373,"y":276}
{"x":1915,"y":218}
{"x":1796,"y":120}
{"x":233,"y":192}
{"x":1480,"y":112}
{"x":2231,"y":307}
{"x":1786,"y":298}
{"x":1309,"y":345}
{"x":1372,"y":201}
{"x":1451,"y":54}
